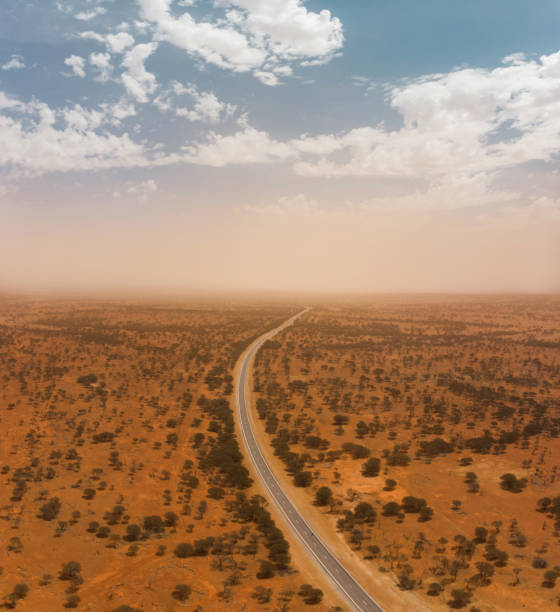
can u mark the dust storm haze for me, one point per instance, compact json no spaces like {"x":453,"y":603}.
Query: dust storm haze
{"x":289,"y":250}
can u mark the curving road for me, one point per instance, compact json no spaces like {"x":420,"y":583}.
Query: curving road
{"x":331,"y":566}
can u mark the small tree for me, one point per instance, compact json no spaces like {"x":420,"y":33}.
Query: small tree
{"x":371,"y":467}
{"x":550,"y":577}
{"x":480,"y":535}
{"x":20,"y":591}
{"x":460,"y":598}
{"x":303,"y":479}
{"x":426,"y":514}
{"x":391,"y":509}
{"x":50,"y":510}
{"x":323,"y":496}
{"x":72,"y":601}
{"x":364,"y":512}
{"x":434,"y":589}
{"x":133,"y":533}
{"x":266,"y":570}
{"x":509,"y":482}
{"x":70,"y":570}
{"x":310,"y":595}
{"x":390,"y":484}
{"x":183,"y":550}
{"x":181,"y":592}
{"x":485,"y":572}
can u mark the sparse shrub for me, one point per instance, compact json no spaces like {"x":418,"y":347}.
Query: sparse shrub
{"x":303,"y":479}
{"x":266,"y":570}
{"x":310,"y":595}
{"x":181,"y":592}
{"x":153,"y":524}
{"x":509,"y":482}
{"x":216,"y":493}
{"x":171,"y":519}
{"x":434,"y":589}
{"x":323,"y":496}
{"x":50,"y":510}
{"x":460,"y":598}
{"x":371,"y":467}
{"x":365,"y":513}
{"x":183,"y":550}
{"x":390,"y":484}
{"x":391,"y":509}
{"x":70,"y":570}
{"x":72,"y":601}
{"x":20,"y":591}
{"x":550,"y":577}
{"x":480,"y":535}
{"x":133,"y":533}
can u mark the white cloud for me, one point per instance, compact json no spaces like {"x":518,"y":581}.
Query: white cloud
{"x":63,"y":8}
{"x":101,"y":61}
{"x":77,"y":64}
{"x":7,"y":102}
{"x":143,"y":190}
{"x":115,"y":113}
{"x":14,"y":63}
{"x":79,"y":118}
{"x":37,"y":139}
{"x":459,"y":129}
{"x":138,"y":81}
{"x":207,"y":107}
{"x":253,"y":33}
{"x":115,"y":43}
{"x":89,"y":15}
{"x":266,"y":77}
{"x":291,"y":31}
{"x":246,"y":146}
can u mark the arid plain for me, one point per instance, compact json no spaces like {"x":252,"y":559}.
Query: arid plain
{"x":421,"y":435}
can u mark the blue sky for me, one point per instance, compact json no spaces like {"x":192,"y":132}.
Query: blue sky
{"x":242,"y":119}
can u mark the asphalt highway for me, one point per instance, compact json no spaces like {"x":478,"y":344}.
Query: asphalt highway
{"x":356,"y":595}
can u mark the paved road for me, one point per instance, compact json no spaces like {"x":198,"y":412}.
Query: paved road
{"x":335,"y":571}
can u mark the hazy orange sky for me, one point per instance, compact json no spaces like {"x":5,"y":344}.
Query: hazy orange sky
{"x":277,"y":145}
{"x":289,"y":248}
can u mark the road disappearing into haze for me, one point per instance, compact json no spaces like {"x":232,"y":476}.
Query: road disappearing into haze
{"x":356,"y":595}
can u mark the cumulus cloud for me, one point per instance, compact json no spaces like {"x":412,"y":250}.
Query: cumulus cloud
{"x":206,"y":107}
{"x":37,"y":138}
{"x":266,"y":77}
{"x":9,"y":102}
{"x":14,"y":63}
{"x":101,"y":61}
{"x":115,"y":43}
{"x":254,"y":36}
{"x":115,"y":113}
{"x":246,"y":146}
{"x":91,"y":14}
{"x":138,"y":81}
{"x":288,"y":30}
{"x":143,"y":190}
{"x":458,"y":130}
{"x":77,"y":64}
